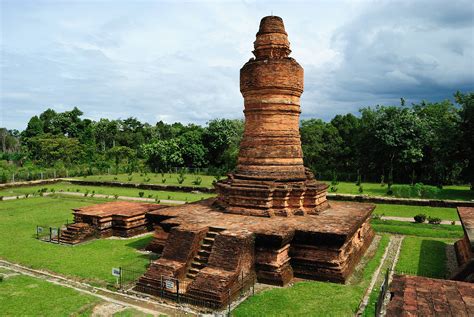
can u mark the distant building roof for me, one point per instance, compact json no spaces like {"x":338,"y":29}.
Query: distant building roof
{"x":117,"y":208}
{"x":421,"y":296}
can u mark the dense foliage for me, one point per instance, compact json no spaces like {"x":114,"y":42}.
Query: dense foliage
{"x":428,"y":142}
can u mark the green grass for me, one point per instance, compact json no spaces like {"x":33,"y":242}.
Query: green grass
{"x":313,"y":298}
{"x":417,"y":229}
{"x":374,"y":189}
{"x":155,"y":178}
{"x":90,"y":261}
{"x":27,"y":296}
{"x":132,"y":192}
{"x":411,"y":211}
{"x":423,"y":257}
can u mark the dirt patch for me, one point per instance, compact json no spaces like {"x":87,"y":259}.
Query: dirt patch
{"x":107,"y":309}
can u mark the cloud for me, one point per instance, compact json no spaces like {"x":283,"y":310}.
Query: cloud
{"x":180,"y":61}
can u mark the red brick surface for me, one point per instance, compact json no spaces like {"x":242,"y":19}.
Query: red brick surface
{"x":421,"y":296}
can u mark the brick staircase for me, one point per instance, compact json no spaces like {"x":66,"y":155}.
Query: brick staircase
{"x":200,"y":260}
{"x":76,"y":233}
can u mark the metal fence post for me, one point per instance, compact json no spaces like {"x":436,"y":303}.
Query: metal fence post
{"x":162,"y":291}
{"x":37,"y":233}
{"x":120,"y":277}
{"x":177,"y":290}
{"x":59,"y":234}
{"x":228,"y":303}
{"x":50,"y":233}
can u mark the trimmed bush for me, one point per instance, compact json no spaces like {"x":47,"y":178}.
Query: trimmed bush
{"x":420,"y":218}
{"x":434,"y":220}
{"x":141,"y":194}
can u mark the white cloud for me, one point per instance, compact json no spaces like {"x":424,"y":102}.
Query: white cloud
{"x":180,"y":61}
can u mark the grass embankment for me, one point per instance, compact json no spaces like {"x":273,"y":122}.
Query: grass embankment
{"x":154,"y":178}
{"x":417,"y":229}
{"x":313,"y":298}
{"x":104,"y":190}
{"x":27,"y":296}
{"x":90,"y":261}
{"x":411,"y":211}
{"x":374,"y":189}
{"x":423,"y":257}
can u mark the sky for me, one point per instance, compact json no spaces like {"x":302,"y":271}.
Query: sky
{"x":180,"y":61}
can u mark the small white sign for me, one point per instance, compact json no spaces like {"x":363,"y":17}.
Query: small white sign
{"x":116,"y":272}
{"x":169,"y":284}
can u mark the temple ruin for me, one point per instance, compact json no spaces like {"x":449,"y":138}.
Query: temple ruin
{"x":271,"y":218}
{"x":118,"y":218}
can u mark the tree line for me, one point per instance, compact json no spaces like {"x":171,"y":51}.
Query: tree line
{"x":429,"y":142}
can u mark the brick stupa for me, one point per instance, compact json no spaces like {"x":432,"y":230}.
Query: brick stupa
{"x":271,"y":218}
{"x":270,"y":178}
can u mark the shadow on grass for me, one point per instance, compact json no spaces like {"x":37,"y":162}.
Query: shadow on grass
{"x":432,"y":259}
{"x":140,"y":244}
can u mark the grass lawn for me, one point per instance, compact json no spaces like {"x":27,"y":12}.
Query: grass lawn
{"x":131,"y":312}
{"x":423,"y":257}
{"x":132,"y":192}
{"x":313,"y":298}
{"x":153,"y":178}
{"x":22,"y":295}
{"x":417,"y":229}
{"x":91,"y":261}
{"x":411,"y":211}
{"x":374,"y":189}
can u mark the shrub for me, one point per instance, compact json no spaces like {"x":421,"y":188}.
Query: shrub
{"x":141,"y":194}
{"x":453,"y":222}
{"x":389,"y":190}
{"x":116,"y":196}
{"x":93,"y":193}
{"x":130,"y":178}
{"x":86,"y":193}
{"x":27,"y":195}
{"x":197,"y":181}
{"x":150,"y":196}
{"x":419,"y":190}
{"x":163,"y":180}
{"x":382,"y":180}
{"x":420,"y":218}
{"x":157,"y":200}
{"x":434,"y":220}
{"x":169,"y":197}
{"x":1,"y":278}
{"x":78,"y":190}
{"x":334,"y":183}
{"x":115,"y":178}
{"x":181,"y":178}
{"x":361,"y":189}
{"x":1,"y":198}
{"x":52,"y":190}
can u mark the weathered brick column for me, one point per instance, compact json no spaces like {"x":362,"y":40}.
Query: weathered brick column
{"x":270,"y":179}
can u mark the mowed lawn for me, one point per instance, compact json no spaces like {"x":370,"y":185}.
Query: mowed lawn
{"x":91,"y":261}
{"x":154,"y":178}
{"x":412,"y":211}
{"x":374,"y":189}
{"x":423,"y":257}
{"x":22,"y":295}
{"x":313,"y":298}
{"x":417,"y":229}
{"x":131,"y":192}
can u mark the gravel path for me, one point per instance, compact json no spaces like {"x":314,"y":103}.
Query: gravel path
{"x":443,"y":222}
{"x":152,"y":200}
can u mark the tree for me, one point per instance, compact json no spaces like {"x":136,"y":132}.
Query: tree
{"x":467,"y":132}
{"x":162,"y":155}
{"x":222,"y":138}
{"x":193,"y":151}
{"x":321,"y":145}
{"x":34,"y":128}
{"x":119,"y":153}
{"x":47,"y":149}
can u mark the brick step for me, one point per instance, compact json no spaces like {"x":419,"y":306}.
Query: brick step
{"x":216,"y":229}
{"x":204,"y":253}
{"x":208,"y":240}
{"x":206,"y":247}
{"x":198,"y":265}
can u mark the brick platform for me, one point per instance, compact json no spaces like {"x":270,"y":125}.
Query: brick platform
{"x":421,"y":296}
{"x":323,"y":247}
{"x":464,"y":247}
{"x":118,"y":218}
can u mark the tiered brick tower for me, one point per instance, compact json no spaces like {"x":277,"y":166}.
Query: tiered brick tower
{"x":208,"y":246}
{"x":270,"y":178}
